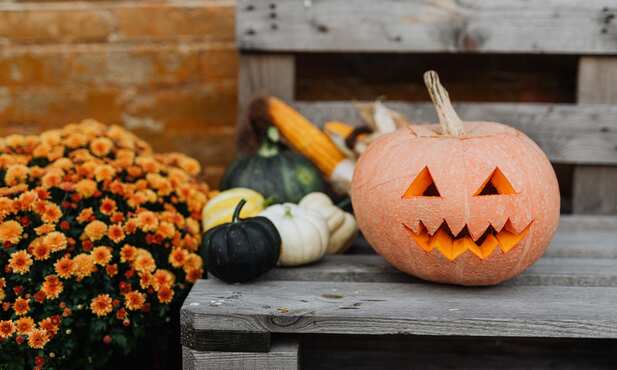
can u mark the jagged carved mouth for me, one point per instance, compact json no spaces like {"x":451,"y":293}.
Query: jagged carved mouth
{"x":452,"y":246}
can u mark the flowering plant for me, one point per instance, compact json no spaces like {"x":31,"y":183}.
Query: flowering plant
{"x":98,"y":240}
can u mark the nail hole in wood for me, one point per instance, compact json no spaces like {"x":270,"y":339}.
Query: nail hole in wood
{"x":274,"y":27}
{"x":250,"y":32}
{"x":605,"y":129}
{"x":272,"y":6}
{"x":273,"y":15}
{"x":250,"y":8}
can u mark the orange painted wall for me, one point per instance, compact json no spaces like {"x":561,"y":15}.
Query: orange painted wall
{"x":165,"y":70}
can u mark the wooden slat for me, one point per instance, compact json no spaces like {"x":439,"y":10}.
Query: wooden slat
{"x":567,"y":133}
{"x":400,"y":308}
{"x":284,"y":355}
{"x":548,"y":271}
{"x":512,"y":26}
{"x":261,"y":74}
{"x":116,"y":21}
{"x":594,"y":187}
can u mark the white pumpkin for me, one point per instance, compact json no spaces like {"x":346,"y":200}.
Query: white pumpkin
{"x":304,"y":233}
{"x":342,"y":225}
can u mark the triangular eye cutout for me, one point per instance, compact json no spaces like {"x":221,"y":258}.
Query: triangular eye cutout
{"x":496,"y":184}
{"x":423,"y":185}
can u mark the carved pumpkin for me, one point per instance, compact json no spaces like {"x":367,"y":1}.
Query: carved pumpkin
{"x":470,"y":203}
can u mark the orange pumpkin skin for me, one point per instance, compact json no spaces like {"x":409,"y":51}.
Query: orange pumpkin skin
{"x":392,"y":217}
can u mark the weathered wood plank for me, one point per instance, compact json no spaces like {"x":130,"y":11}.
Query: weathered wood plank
{"x":594,"y":187}
{"x":399,"y":308}
{"x":567,"y":133}
{"x":373,"y":268}
{"x":116,"y":21}
{"x":261,"y":74}
{"x":217,"y":336}
{"x":511,"y":26}
{"x":283,"y":355}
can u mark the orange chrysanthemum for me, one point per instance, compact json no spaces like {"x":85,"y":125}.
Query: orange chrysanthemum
{"x":16,"y":174}
{"x":115,"y":233}
{"x":83,"y":266}
{"x":178,"y":257}
{"x":147,"y":221}
{"x":24,"y":325}
{"x":6,"y":207}
{"x":102,"y":255}
{"x":144,"y":262}
{"x":21,"y":306}
{"x":163,"y":278}
{"x":128,"y":253}
{"x":95,"y":230}
{"x":52,"y":287}
{"x":134,"y":300}
{"x":193,"y":262}
{"x":64,"y":267}
{"x":101,"y":146}
{"x":45,"y":229}
{"x":50,"y":325}
{"x":104,"y":172}
{"x":165,"y":294}
{"x":38,"y":338}
{"x":193,"y":275}
{"x":20,"y":262}
{"x":101,"y":305}
{"x":52,"y":178}
{"x":7,"y":328}
{"x":108,"y":206}
{"x":10,"y":231}
{"x":86,"y":188}
{"x":39,"y":249}
{"x":75,"y":140}
{"x":52,"y":213}
{"x":56,"y":241}
{"x":85,"y":215}
{"x":166,"y":230}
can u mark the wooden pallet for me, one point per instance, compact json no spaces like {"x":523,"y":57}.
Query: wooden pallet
{"x":271,"y":34}
{"x":357,"y":312}
{"x":322,"y":315}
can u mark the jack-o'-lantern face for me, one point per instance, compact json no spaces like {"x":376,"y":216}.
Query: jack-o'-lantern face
{"x":481,"y":239}
{"x":474,"y":208}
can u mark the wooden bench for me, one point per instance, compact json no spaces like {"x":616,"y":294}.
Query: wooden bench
{"x":355,"y":311}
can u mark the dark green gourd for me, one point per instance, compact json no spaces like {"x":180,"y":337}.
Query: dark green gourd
{"x":279,"y":174}
{"x":241,"y":250}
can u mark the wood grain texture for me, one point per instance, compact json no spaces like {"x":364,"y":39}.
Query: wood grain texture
{"x":399,"y":308}
{"x":512,"y":26}
{"x":566,"y":133}
{"x":261,"y":74}
{"x":594,"y":187}
{"x":116,"y":21}
{"x":548,"y":271}
{"x":283,"y":355}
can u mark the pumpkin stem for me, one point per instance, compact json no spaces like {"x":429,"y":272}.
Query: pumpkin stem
{"x":270,"y":145}
{"x":236,"y":216}
{"x":451,"y":124}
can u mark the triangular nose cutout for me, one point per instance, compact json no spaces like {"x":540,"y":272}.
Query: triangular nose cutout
{"x":422,"y":186}
{"x":496,"y":184}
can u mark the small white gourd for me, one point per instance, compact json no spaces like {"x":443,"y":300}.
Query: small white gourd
{"x":342,"y":225}
{"x":304,"y":233}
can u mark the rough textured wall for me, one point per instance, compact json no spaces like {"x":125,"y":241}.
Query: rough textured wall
{"x":164,"y":69}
